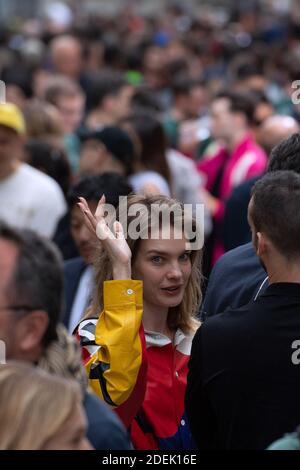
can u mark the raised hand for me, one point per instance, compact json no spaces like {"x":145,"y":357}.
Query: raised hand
{"x":113,"y":242}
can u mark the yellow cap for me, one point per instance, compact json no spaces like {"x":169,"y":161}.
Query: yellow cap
{"x":12,"y":117}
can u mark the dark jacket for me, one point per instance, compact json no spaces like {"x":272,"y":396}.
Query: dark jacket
{"x":235,"y":280}
{"x":73,"y":270}
{"x":243,"y":384}
{"x":236,"y":230}
{"x":105,"y":430}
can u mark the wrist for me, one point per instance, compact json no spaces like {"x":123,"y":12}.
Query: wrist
{"x":122,"y":271}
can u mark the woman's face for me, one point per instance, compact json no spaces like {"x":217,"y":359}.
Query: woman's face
{"x":72,"y":436}
{"x":164,"y":266}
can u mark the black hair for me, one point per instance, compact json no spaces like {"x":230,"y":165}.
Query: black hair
{"x":275,"y":210}
{"x":240,"y":103}
{"x":102,"y":84}
{"x":286,"y":155}
{"x":37,"y":280}
{"x":51,"y":160}
{"x":93,"y":187}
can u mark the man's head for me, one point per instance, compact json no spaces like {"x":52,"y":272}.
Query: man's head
{"x":275,"y":129}
{"x":110,"y":93}
{"x":92,"y":188}
{"x":12,"y":131}
{"x":31,"y":293}
{"x":231,"y":113}
{"x":274,"y":218}
{"x":189,"y":96}
{"x":108,"y":149}
{"x":286,"y":155}
{"x":66,"y":55}
{"x":67,"y":96}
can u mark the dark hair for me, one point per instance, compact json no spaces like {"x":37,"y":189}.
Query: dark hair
{"x":102,"y":84}
{"x":51,"y":160}
{"x":153,"y":141}
{"x":182,"y":85}
{"x":247,"y":70}
{"x":61,"y":86}
{"x":286,"y":155}
{"x":37,"y":280}
{"x":240,"y":103}
{"x":145,"y":100}
{"x":93,"y":187}
{"x":275,"y":210}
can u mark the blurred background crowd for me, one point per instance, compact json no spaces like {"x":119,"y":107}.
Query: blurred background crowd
{"x":184,"y":99}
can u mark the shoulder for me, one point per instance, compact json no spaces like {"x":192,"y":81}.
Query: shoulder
{"x":45,"y":183}
{"x":73,"y":265}
{"x":233,"y":258}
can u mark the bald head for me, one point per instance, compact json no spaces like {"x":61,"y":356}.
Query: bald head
{"x":275,"y":129}
{"x":66,"y":55}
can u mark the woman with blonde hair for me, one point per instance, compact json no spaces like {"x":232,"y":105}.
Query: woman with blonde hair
{"x":39,"y":411}
{"x":137,"y":350}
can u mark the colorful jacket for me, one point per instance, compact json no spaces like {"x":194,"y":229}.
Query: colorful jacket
{"x":141,"y":375}
{"x":246,"y":161}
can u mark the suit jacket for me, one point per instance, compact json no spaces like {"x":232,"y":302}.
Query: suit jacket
{"x":73,"y":270}
{"x":236,"y":230}
{"x":243,"y":384}
{"x":234,"y":281}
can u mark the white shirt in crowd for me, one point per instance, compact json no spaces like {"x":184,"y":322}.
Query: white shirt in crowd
{"x":31,"y":199}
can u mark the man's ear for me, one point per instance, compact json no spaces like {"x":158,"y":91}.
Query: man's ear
{"x":31,"y":330}
{"x":261,"y":246}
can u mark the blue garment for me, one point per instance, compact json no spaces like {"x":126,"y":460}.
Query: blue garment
{"x":234,"y":281}
{"x":105,"y":430}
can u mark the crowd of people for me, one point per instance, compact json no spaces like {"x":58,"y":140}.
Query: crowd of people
{"x":121,"y":332}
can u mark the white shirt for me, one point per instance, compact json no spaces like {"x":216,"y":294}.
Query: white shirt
{"x":82,"y":298}
{"x":31,"y":199}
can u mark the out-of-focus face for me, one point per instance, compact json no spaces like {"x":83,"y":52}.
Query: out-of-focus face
{"x":164,"y":266}
{"x":11,"y":145}
{"x":14,"y":94}
{"x":72,"y":435}
{"x":67,"y":59}
{"x":84,"y":240}
{"x":222,"y":119}
{"x":71,"y":112}
{"x":122,"y":102}
{"x":8,"y":260}
{"x":197,"y":101}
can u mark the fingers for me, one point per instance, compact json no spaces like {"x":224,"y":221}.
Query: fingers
{"x":118,"y":230}
{"x":88,"y":216}
{"x":99,"y":214}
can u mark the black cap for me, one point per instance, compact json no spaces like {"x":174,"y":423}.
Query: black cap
{"x":117,"y":142}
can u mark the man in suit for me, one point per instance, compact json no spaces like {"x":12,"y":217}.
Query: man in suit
{"x":78,"y":271}
{"x":236,"y":232}
{"x":244,"y":383}
{"x":238,"y":277}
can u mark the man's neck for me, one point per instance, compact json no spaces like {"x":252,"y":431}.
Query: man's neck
{"x":8,"y":169}
{"x":284,"y":272}
{"x":235,"y":139}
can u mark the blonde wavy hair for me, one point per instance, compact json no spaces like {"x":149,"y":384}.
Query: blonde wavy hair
{"x":182,"y":316}
{"x":34,"y":406}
